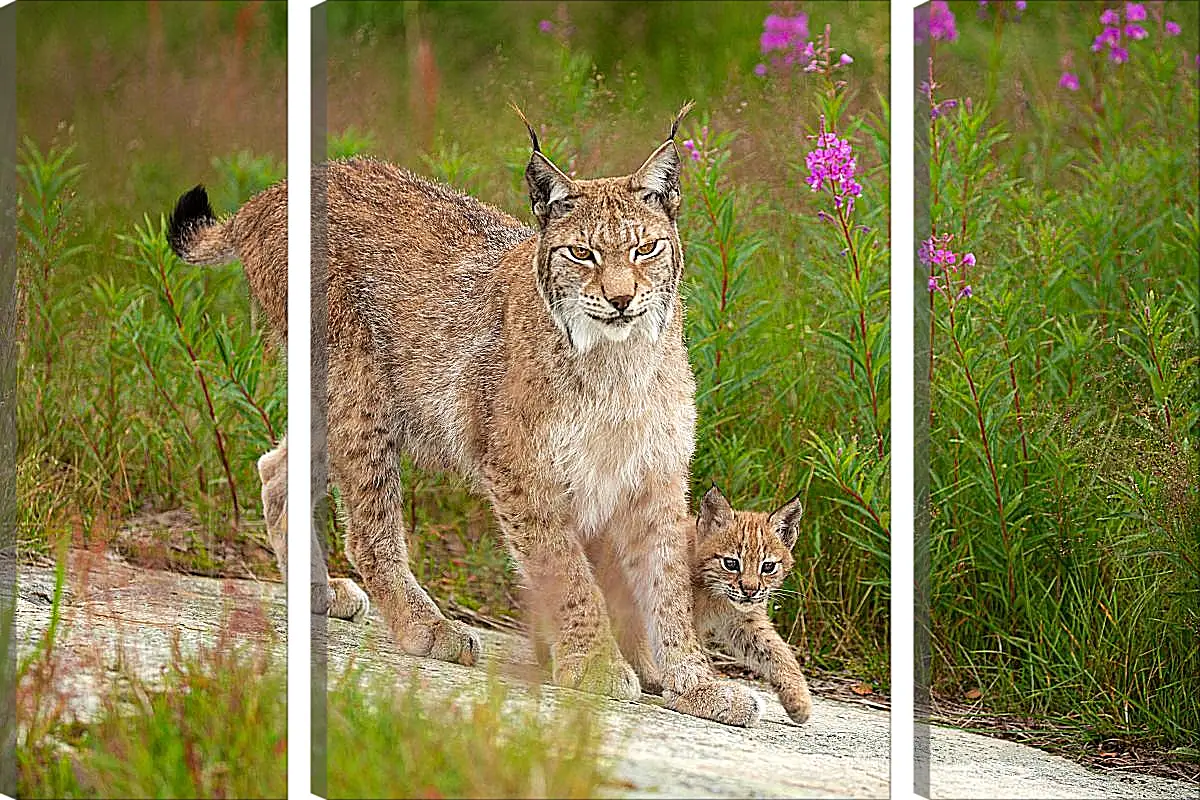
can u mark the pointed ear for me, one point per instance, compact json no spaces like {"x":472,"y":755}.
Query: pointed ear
{"x":715,"y":513}
{"x":657,"y":180}
{"x":547,"y":183}
{"x":549,"y":188}
{"x":786,"y":521}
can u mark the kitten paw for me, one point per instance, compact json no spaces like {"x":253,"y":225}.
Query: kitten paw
{"x":800,"y":713}
{"x":797,"y":704}
{"x":720,"y":701}
{"x":347,"y":601}
{"x":599,"y":674}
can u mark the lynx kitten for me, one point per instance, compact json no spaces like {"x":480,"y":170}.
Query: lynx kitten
{"x":738,"y":559}
{"x":546,"y":366}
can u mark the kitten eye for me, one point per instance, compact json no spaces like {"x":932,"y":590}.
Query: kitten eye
{"x":731,"y":564}
{"x":649,"y":248}
{"x":579,"y":253}
{"x":769,"y":567}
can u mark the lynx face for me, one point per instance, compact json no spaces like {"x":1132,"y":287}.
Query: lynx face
{"x":742,"y":556}
{"x":608,"y":258}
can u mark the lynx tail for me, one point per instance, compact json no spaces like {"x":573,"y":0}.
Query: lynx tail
{"x":194,"y":233}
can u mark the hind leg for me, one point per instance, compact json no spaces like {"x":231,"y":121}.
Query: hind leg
{"x":364,"y":460}
{"x":338,"y":597}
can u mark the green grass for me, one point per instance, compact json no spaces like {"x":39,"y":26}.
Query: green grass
{"x":214,"y":725}
{"x":385,"y":741}
{"x":1066,"y":413}
{"x":144,"y":386}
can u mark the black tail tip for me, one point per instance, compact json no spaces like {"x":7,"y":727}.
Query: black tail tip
{"x":192,"y":211}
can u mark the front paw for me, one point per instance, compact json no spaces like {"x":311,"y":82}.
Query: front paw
{"x":598,"y":673}
{"x":651,"y":681}
{"x":453,"y":641}
{"x":720,"y":701}
{"x":443,"y":639}
{"x":685,"y":674}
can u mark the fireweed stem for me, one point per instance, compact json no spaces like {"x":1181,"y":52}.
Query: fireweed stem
{"x":934,"y":199}
{"x":862,"y":328}
{"x":951,"y":301}
{"x":987,"y":453}
{"x":212,"y":414}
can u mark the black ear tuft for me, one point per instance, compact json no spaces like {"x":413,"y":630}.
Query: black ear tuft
{"x":549,"y":187}
{"x":528,"y":127}
{"x":683,"y":112}
{"x":191,"y":211}
{"x":785,"y":521}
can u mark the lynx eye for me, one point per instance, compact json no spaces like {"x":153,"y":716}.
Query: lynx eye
{"x":769,"y":567}
{"x":649,"y":248}
{"x":578,"y":253}
{"x":731,"y":564}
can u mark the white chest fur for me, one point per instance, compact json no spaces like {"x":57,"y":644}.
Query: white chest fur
{"x":604,"y":456}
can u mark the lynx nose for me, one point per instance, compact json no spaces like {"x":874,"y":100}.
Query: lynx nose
{"x":621,"y":302}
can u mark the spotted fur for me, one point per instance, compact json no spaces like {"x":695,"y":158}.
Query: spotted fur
{"x":731,"y":586}
{"x":545,"y":365}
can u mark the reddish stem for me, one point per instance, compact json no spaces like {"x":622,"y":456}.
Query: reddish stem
{"x":212,"y":414}
{"x":862,"y":328}
{"x":987,"y":454}
{"x":262,"y":413}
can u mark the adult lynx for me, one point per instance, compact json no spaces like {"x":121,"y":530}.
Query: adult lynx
{"x":546,"y":366}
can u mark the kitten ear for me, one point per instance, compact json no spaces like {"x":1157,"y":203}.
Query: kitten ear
{"x":786,"y":521}
{"x":715,"y":512}
{"x":547,"y":183}
{"x":657,"y":180}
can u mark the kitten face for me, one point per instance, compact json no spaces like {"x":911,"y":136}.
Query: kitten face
{"x":742,"y":556}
